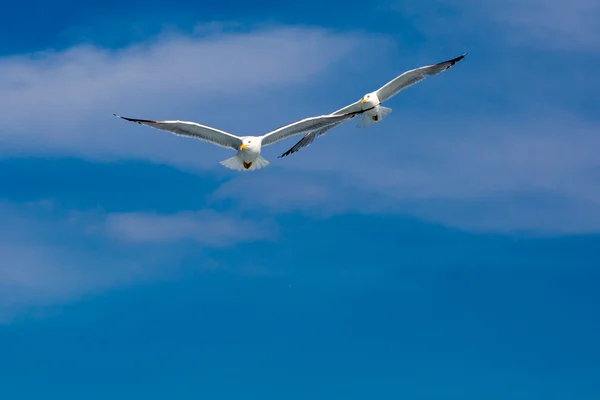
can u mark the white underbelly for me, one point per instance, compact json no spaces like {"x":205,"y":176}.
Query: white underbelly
{"x":248,"y":156}
{"x":373,"y":112}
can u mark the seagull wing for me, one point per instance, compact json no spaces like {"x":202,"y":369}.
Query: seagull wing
{"x":355,"y":107}
{"x":350,"y":108}
{"x":308,"y":138}
{"x":192,"y":130}
{"x":413,"y":76}
{"x":304,"y":125}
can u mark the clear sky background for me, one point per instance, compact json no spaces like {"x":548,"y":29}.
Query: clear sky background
{"x":450,"y":252}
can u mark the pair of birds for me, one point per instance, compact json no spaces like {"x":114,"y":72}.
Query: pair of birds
{"x":249,"y":147}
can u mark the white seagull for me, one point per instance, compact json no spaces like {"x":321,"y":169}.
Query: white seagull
{"x":248,"y":147}
{"x":370,"y":103}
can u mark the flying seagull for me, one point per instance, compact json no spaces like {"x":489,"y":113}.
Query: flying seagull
{"x":370,"y":103}
{"x":248,"y":147}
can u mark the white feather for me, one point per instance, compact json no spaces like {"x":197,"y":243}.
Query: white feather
{"x":258,"y":164}
{"x":236,"y":163}
{"x":367,"y":120}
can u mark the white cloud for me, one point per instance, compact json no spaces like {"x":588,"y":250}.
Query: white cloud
{"x":549,"y":24}
{"x":449,"y":164}
{"x":491,"y":173}
{"x":529,"y":175}
{"x":206,"y":227}
{"x":51,"y":256}
{"x":540,"y":24}
{"x":61,"y":102}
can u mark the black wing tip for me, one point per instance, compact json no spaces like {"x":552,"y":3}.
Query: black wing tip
{"x":139,"y":121}
{"x":454,"y":60}
{"x":302,"y":143}
{"x":287,"y":153}
{"x":290,"y":151}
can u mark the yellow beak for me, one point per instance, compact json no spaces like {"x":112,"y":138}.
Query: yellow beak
{"x":363,"y":100}
{"x":243,"y":146}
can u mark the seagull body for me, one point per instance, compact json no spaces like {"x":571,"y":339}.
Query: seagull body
{"x":374,"y":111}
{"x":248,"y":147}
{"x":370,"y":103}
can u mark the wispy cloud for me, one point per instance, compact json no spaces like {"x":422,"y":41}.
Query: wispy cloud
{"x":548,"y":24}
{"x":493,"y":176}
{"x":485,"y":135}
{"x":50,"y":255}
{"x":206,"y":227}
{"x":62,"y":102}
{"x":535,"y":24}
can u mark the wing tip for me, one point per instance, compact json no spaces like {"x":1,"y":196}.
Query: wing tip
{"x":290,"y":151}
{"x":453,"y":61}
{"x":304,"y":142}
{"x":139,"y":121}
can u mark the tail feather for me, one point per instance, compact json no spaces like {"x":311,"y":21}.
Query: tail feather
{"x":259,"y":163}
{"x":367,"y":120}
{"x":384,"y":112}
{"x":236,"y":163}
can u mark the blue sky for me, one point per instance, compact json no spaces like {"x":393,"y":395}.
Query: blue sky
{"x":454,"y":254}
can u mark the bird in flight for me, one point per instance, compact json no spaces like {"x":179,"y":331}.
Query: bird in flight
{"x":248,"y":147}
{"x":370,"y":103}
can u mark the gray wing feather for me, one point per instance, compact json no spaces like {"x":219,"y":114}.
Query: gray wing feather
{"x":192,"y":130}
{"x":304,"y":125}
{"x":413,"y":76}
{"x":350,"y":108}
{"x":308,"y":139}
{"x":311,"y":136}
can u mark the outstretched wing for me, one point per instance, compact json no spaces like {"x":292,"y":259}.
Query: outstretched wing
{"x":350,"y":108}
{"x":413,"y":76}
{"x":308,"y":138}
{"x":304,"y":125}
{"x":192,"y":130}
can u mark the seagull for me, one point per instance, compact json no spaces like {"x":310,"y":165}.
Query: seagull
{"x":370,"y":103}
{"x":248,"y":147}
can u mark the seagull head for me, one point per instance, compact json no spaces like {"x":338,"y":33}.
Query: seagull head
{"x":250,"y":144}
{"x":370,"y":100}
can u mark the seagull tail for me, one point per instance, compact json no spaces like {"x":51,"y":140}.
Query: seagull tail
{"x":234,"y":163}
{"x":237,"y":164}
{"x":368,"y":120}
{"x":259,"y":163}
{"x":384,"y":112}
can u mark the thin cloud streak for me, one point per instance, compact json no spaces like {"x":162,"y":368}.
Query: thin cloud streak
{"x":535,"y":24}
{"x":549,"y":24}
{"x":52,"y":256}
{"x":206,"y":227}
